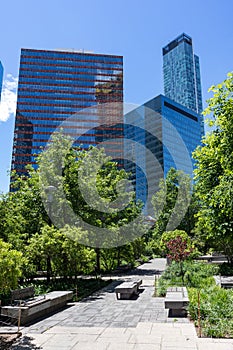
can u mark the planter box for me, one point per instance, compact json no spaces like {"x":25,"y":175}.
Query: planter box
{"x":38,"y":307}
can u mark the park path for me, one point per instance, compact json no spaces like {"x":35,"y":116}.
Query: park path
{"x":101,"y":322}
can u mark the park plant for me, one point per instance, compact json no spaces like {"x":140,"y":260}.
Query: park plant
{"x":179,"y":251}
{"x":214,"y":173}
{"x":196,"y":275}
{"x":11,"y":262}
{"x":214,"y":315}
{"x":69,"y":247}
{"x":215,"y":310}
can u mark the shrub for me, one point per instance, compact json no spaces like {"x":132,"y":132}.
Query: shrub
{"x":11,"y":262}
{"x":170,"y":235}
{"x":196,"y":275}
{"x":215,"y":309}
{"x":215,"y":303}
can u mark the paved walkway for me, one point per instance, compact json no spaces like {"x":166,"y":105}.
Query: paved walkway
{"x":103,"y":322}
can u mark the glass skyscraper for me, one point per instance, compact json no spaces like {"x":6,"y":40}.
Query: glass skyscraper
{"x":159,"y":135}
{"x":181,"y":73}
{"x":1,"y":78}
{"x":54,"y":86}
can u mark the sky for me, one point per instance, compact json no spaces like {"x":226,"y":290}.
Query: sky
{"x":133,"y":28}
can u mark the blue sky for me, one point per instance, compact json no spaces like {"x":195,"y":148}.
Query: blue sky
{"x":135,"y":29}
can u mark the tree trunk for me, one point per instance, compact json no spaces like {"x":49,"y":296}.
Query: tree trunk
{"x":49,"y":269}
{"x":118,"y":256}
{"x":97,"y":251}
{"x":65,"y":266}
{"x":182,"y":272}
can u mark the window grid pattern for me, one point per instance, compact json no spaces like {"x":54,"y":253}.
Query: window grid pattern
{"x":53,"y":86}
{"x":165,"y":119}
{"x":181,"y":72}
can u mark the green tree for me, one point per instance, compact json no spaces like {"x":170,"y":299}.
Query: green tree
{"x":58,"y":253}
{"x":11,"y":262}
{"x":174,"y":205}
{"x":91,"y":193}
{"x":214,"y":172}
{"x":74,"y":258}
{"x":22,"y":212}
{"x":43,"y":247}
{"x":89,"y":189}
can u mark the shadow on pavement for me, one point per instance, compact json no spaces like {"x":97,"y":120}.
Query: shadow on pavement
{"x":25,"y":343}
{"x":101,"y":294}
{"x":109,"y":289}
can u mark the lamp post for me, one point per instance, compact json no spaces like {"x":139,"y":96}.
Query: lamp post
{"x":49,"y":191}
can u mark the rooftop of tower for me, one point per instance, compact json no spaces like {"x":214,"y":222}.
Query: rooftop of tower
{"x":68,"y":51}
{"x":73,"y":50}
{"x":183,"y":37}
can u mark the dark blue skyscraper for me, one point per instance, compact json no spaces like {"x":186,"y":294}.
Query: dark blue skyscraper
{"x":1,"y":78}
{"x":181,"y":72}
{"x":159,"y":135}
{"x":56,"y":85}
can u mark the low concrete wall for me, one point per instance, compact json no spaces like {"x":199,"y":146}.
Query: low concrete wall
{"x":51,"y":302}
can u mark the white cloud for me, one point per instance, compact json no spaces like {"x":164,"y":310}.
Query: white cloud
{"x":8,"y":97}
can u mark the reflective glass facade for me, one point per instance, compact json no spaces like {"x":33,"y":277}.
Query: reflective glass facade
{"x":166,"y":133}
{"x":135,"y":151}
{"x":1,"y":78}
{"x":181,"y":72}
{"x":53,"y":87}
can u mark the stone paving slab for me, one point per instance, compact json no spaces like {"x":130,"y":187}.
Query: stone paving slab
{"x":101,"y":322}
{"x":104,"y":310}
{"x":144,"y":336}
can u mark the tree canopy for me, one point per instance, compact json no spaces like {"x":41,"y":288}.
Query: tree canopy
{"x":173,"y":203}
{"x":11,"y":262}
{"x":90,"y":197}
{"x":214,"y":172}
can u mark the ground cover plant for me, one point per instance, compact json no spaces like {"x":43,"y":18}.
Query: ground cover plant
{"x":195,"y":275}
{"x":216,"y":309}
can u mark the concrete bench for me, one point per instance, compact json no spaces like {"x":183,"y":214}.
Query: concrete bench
{"x":213,"y":258}
{"x":18,"y":295}
{"x":39,"y":307}
{"x":176,"y":300}
{"x":226,"y":282}
{"x":126,"y":289}
{"x":25,"y":297}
